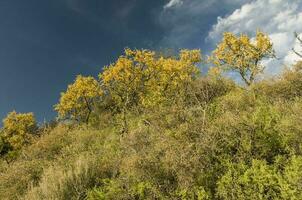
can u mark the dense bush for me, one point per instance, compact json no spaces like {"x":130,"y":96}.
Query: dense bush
{"x":18,"y":130}
{"x":288,"y":86}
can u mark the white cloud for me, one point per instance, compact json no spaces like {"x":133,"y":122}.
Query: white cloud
{"x":278,"y":18}
{"x":173,"y":3}
{"x":187,"y":20}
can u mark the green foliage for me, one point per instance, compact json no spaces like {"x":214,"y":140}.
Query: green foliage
{"x":286,"y":87}
{"x":291,"y":181}
{"x":261,"y":181}
{"x":206,"y":89}
{"x":257,"y":182}
{"x":61,"y":164}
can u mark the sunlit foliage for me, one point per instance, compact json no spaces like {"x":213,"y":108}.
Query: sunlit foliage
{"x":18,"y":128}
{"x":78,"y":101}
{"x":243,"y":54}
{"x":141,"y":77}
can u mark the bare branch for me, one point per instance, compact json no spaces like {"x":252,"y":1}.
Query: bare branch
{"x":300,"y":40}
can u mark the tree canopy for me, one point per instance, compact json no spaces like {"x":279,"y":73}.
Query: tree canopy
{"x":243,"y":54}
{"x":18,"y":128}
{"x":77,"y":102}
{"x":146,"y":78}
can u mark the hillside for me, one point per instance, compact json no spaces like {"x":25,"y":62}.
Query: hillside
{"x":153,"y":127}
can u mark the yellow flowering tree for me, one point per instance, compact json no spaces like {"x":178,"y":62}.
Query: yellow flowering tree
{"x":145,"y":78}
{"x":243,"y":55}
{"x":18,"y":129}
{"x":78,"y":101}
{"x":174,"y":76}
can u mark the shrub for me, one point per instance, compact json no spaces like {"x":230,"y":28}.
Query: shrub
{"x":18,"y":130}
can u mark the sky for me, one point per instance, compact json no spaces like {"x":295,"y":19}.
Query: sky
{"x":45,"y":44}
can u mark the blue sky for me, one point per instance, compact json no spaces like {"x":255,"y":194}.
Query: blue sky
{"x":44,"y":44}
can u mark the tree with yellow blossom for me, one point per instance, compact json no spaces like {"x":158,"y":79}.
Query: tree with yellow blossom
{"x":18,"y":128}
{"x":144,"y":79}
{"x":243,"y":54}
{"x":78,"y":101}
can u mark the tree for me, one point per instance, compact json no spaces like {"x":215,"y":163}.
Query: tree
{"x":243,"y":55}
{"x":78,"y":101}
{"x":18,"y":129}
{"x":300,"y":41}
{"x":141,"y":77}
{"x":144,"y":79}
